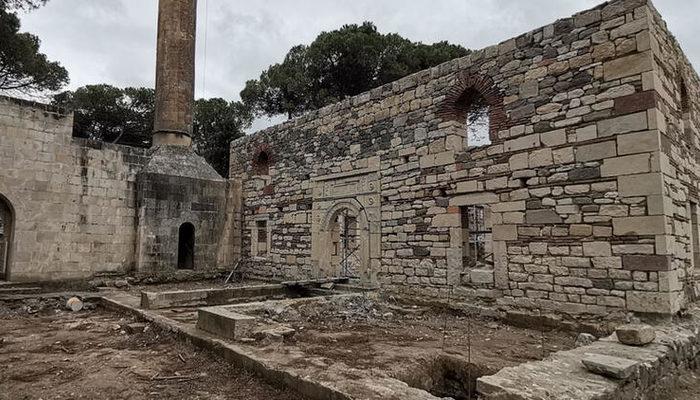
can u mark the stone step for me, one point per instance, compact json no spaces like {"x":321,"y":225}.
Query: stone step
{"x":20,"y":290}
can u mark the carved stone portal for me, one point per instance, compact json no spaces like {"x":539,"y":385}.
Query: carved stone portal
{"x":346,"y":231}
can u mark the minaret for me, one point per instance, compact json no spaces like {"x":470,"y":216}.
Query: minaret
{"x":181,"y":199}
{"x":177,"y":24}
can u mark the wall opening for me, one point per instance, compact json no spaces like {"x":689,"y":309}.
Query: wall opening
{"x":185,"y":246}
{"x":6,"y":229}
{"x":477,"y":249}
{"x":262,"y":163}
{"x":694,"y":235}
{"x":685,"y":101}
{"x":261,"y":238}
{"x":346,"y":244}
{"x":477,"y":117}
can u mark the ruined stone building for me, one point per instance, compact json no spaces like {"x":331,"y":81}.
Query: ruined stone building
{"x":582,"y":197}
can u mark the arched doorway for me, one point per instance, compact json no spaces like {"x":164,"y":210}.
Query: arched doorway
{"x":6,"y":232}
{"x":343,"y":243}
{"x":185,"y":246}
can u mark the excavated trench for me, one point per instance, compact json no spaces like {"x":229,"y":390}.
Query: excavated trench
{"x":446,"y":377}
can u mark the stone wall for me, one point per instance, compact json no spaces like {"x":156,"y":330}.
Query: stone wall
{"x":73,"y":200}
{"x":576,"y":182}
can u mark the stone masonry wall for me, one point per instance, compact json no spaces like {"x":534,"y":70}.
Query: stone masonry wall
{"x":73,"y":200}
{"x":582,"y":195}
{"x":677,"y":86}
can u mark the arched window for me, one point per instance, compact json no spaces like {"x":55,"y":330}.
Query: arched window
{"x":475,"y":103}
{"x":477,"y":115}
{"x":185,"y":246}
{"x":262,"y":163}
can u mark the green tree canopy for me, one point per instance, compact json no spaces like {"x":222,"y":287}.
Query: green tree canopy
{"x":217,"y":122}
{"x":125,"y":116}
{"x":107,"y":113}
{"x":338,"y":64}
{"x":23,"y":68}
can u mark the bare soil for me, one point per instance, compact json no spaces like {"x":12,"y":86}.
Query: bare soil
{"x":48,"y":353}
{"x":687,"y":386}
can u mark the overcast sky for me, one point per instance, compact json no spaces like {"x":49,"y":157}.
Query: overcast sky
{"x":114,"y":41}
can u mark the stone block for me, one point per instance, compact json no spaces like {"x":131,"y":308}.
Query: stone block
{"x":640,"y":185}
{"x":474,"y":198}
{"x":626,"y":165}
{"x":628,"y":66}
{"x":647,"y":262}
{"x":640,"y":142}
{"x":553,"y":138}
{"x":596,"y":249}
{"x":224,"y":322}
{"x":635,"y":334}
{"x":540,"y":158}
{"x":653,"y":302}
{"x":625,"y":124}
{"x":522,"y":143}
{"x":481,"y":276}
{"x":609,"y":366}
{"x":545,"y":216}
{"x":446,"y":220}
{"x":504,"y":232}
{"x":596,"y":151}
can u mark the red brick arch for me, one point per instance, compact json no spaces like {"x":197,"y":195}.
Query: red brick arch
{"x":455,"y":105}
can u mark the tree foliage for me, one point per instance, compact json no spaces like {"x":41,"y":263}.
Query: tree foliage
{"x":21,"y":4}
{"x":114,"y":115}
{"x":125,"y":116}
{"x":23,"y":68}
{"x":217,"y":122}
{"x":338,"y":64}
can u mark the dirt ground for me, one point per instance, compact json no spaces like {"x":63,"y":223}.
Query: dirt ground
{"x":687,"y":388}
{"x":366,"y":334}
{"x":51,"y":354}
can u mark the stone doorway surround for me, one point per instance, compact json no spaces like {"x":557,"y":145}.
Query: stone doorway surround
{"x":356,"y":192}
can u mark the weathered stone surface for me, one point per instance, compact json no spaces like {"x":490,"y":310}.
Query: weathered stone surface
{"x":647,"y":262}
{"x":635,"y":334}
{"x":628,"y":66}
{"x":542,"y":217}
{"x":613,"y":367}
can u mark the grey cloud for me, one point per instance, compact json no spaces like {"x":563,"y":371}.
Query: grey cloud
{"x":113,"y":41}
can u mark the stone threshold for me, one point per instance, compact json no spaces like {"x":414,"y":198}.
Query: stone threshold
{"x":562,"y":376}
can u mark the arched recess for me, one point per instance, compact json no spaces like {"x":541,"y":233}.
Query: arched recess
{"x":185,"y":246}
{"x":7,"y":226}
{"x":469,"y":93}
{"x":355,"y":261}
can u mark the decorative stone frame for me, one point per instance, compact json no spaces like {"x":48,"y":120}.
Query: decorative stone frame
{"x":9,"y":230}
{"x":455,"y":106}
{"x":357,"y":191}
{"x":363,"y":237}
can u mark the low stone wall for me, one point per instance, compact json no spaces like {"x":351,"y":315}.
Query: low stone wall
{"x":563,"y":376}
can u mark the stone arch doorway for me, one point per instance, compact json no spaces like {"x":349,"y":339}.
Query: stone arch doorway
{"x":7,"y":219}
{"x":185,"y":246}
{"x":344,"y":243}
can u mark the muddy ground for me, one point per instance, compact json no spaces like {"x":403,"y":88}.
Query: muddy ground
{"x":47,"y":353}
